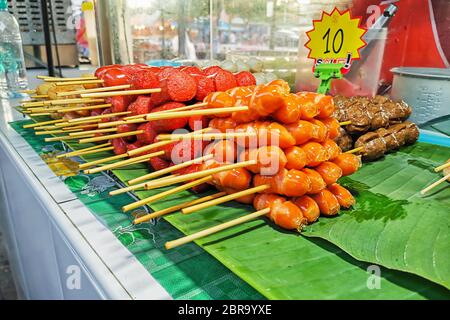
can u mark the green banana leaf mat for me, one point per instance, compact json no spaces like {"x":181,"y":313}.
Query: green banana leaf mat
{"x":394,"y":243}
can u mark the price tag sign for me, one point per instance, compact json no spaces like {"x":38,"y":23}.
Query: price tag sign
{"x":336,"y":39}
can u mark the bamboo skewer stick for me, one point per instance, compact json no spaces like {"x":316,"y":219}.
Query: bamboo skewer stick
{"x":27,"y":91}
{"x":170,"y":169}
{"x":356,"y":150}
{"x":442,"y":167}
{"x":86,"y":126}
{"x":175,"y":208}
{"x":206,"y":136}
{"x":90,"y":152}
{"x":435,"y":184}
{"x":196,"y":175}
{"x":93,"y":107}
{"x":159,"y":144}
{"x":40,"y":114}
{"x":345,"y":123}
{"x":74,"y":101}
{"x":79,"y":124}
{"x":174,"y":115}
{"x":120,"y":93}
{"x":77,"y":134}
{"x":112,"y":136}
{"x":119,"y":122}
{"x":224,"y":199}
{"x":39,"y":96}
{"x":190,"y":107}
{"x":164,"y":194}
{"x":123,"y":163}
{"x":77,"y":152}
{"x":78,"y":82}
{"x":45,"y":132}
{"x":252,"y":216}
{"x":102,"y":116}
{"x":54,"y":79}
{"x":136,"y":186}
{"x":62,"y":138}
{"x":101,"y":89}
{"x":95,"y":162}
{"x":39,"y":124}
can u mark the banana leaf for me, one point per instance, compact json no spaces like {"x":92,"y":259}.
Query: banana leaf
{"x":285,"y":265}
{"x":391,"y":223}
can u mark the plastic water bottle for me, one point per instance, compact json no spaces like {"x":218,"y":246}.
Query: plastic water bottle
{"x":13,"y":77}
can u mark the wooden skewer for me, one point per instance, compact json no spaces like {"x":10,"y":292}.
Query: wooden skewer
{"x":27,"y":91}
{"x":193,"y":106}
{"x":62,"y":138}
{"x":112,"y":136}
{"x":442,"y":167}
{"x":119,"y":122}
{"x":77,"y":134}
{"x":435,"y":184}
{"x":196,"y":175}
{"x":169,"y":169}
{"x":45,"y":77}
{"x":32,"y":104}
{"x":164,"y":194}
{"x":120,"y":93}
{"x":75,"y":101}
{"x":77,"y":152}
{"x":78,"y":82}
{"x":137,"y":186}
{"x":79,"y":124}
{"x":345,"y":123}
{"x":102,"y":116}
{"x":40,"y":114}
{"x":224,"y":199}
{"x":86,"y":126}
{"x":39,"y":124}
{"x":101,"y":89}
{"x":123,"y":163}
{"x":98,"y":106}
{"x":89,"y":152}
{"x":39,"y":96}
{"x":206,"y":136}
{"x":51,"y":79}
{"x":159,"y":144}
{"x":39,"y":133}
{"x":174,"y":115}
{"x":175,"y":208}
{"x":215,"y":229}
{"x":356,"y":150}
{"x":95,"y":162}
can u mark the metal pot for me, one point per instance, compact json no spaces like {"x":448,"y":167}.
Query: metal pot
{"x":426,"y":90}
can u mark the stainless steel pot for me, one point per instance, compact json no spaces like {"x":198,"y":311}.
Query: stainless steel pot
{"x":426,"y":90}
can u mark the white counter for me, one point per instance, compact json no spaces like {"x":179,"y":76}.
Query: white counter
{"x":56,"y":246}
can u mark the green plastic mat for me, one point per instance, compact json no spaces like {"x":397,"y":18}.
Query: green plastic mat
{"x":278,"y":264}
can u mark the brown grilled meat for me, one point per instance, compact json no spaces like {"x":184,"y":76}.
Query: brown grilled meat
{"x":382,"y":141}
{"x":344,"y":140}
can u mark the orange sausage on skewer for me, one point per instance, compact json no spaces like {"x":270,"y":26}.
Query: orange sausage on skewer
{"x":270,"y":159}
{"x":309,"y":108}
{"x":290,"y":183}
{"x":344,"y":197}
{"x":327,"y":202}
{"x":321,"y":131}
{"x":333,"y":150}
{"x":283,"y":213}
{"x":309,"y":208}
{"x":349,"y":163}
{"x":296,"y":158}
{"x":315,"y":153}
{"x":317,"y":182}
{"x":333,"y":127}
{"x":329,"y":171}
{"x":302,"y":131}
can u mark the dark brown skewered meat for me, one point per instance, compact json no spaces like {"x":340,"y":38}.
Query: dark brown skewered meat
{"x":344,"y":140}
{"x":382,"y":141}
{"x":369,"y":114}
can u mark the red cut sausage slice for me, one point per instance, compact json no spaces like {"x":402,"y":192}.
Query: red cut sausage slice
{"x":115,"y":77}
{"x":120,"y":146}
{"x":212,"y":71}
{"x":169,"y":125}
{"x":181,"y":86}
{"x":205,"y":86}
{"x":145,"y":79}
{"x":149,"y":134}
{"x":124,"y":128}
{"x":245,"y":78}
{"x":224,"y":80}
{"x":142,"y":105}
{"x":158,"y":163}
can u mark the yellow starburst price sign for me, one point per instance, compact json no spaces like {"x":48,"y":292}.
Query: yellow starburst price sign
{"x":336,"y":38}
